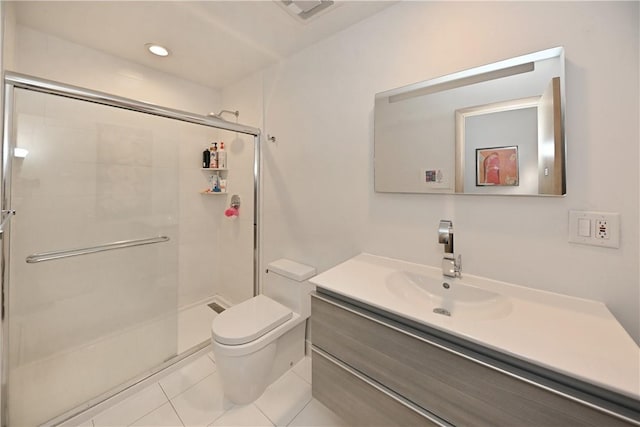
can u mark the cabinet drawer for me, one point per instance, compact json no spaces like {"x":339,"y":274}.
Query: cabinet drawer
{"x":455,"y":388}
{"x":356,"y":400}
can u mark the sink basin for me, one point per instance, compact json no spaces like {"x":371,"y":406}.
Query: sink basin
{"x":448,"y":297}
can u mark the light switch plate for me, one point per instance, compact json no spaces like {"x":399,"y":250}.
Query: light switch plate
{"x":584,"y":227}
{"x":604,"y":228}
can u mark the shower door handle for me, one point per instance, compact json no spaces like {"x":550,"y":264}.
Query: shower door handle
{"x":6,"y":216}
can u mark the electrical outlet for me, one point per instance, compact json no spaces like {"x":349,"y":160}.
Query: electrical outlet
{"x":602,"y":229}
{"x":595,"y":228}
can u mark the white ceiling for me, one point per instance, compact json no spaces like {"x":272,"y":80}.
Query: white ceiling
{"x":214,"y":43}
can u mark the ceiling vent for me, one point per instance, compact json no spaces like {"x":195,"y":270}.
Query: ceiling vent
{"x":305,"y":10}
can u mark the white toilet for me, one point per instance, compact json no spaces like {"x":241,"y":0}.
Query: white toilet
{"x":256,"y":341}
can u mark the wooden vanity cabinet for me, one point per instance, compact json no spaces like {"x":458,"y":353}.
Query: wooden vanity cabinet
{"x":373,"y":372}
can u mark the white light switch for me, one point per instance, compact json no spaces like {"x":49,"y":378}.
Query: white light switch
{"x":584,"y":227}
{"x":595,"y":228}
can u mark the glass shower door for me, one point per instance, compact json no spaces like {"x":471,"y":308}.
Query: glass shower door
{"x":80,"y":325}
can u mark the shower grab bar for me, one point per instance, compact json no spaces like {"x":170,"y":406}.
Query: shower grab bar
{"x":66,"y":253}
{"x":9,"y":213}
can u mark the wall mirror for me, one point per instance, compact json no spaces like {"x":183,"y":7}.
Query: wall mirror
{"x":494,"y":129}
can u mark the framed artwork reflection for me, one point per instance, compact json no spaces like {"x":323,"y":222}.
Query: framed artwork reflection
{"x":497,"y":166}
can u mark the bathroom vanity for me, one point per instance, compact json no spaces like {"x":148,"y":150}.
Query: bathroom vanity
{"x":395,"y":344}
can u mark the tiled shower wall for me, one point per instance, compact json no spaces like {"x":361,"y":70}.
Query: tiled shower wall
{"x":202,"y":272}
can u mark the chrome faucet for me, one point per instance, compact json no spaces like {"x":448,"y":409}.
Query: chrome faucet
{"x":451,"y":266}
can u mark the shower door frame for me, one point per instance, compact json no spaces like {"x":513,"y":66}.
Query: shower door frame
{"x":14,"y":81}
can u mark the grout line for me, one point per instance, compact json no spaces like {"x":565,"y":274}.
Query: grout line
{"x":262,"y":412}
{"x":301,"y":377}
{"x":299,"y":374}
{"x":139,"y":418}
{"x":299,"y":412}
{"x":219,"y":416}
{"x":191,"y":386}
{"x":171,"y":403}
{"x":302,"y":409}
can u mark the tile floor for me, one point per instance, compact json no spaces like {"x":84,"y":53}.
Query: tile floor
{"x":192,"y":396}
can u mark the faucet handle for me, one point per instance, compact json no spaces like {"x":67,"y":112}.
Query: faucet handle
{"x":452,"y":267}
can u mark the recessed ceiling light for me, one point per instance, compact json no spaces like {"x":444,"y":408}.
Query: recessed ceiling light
{"x":158,"y":50}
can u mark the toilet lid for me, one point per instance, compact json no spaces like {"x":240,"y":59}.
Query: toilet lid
{"x":249,"y":320}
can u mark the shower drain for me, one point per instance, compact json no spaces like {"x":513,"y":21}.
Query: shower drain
{"x":216,"y":307}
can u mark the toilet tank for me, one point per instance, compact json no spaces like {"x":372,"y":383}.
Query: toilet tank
{"x":287,"y":282}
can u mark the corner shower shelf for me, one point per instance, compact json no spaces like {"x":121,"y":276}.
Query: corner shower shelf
{"x":213,"y":193}
{"x":222,"y":175}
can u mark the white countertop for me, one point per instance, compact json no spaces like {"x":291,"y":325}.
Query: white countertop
{"x":573,"y":336}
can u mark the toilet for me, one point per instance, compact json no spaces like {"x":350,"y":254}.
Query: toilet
{"x":258,"y":340}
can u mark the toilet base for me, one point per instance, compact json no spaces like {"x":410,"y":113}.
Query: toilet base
{"x":290,"y":350}
{"x":246,"y":377}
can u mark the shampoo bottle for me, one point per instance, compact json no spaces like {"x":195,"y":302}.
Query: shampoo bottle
{"x":213,"y":154}
{"x":206,"y":158}
{"x":222,"y":156}
{"x":216,"y":183}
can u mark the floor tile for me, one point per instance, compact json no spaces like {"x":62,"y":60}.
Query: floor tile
{"x":315,"y":414}
{"x":164,"y":416}
{"x":247,"y":415}
{"x":303,"y":368}
{"x":201,"y":404}
{"x":132,"y":408}
{"x":284,"y":399}
{"x":185,"y":377}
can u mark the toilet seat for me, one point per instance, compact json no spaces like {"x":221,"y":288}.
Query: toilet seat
{"x":249,"y":320}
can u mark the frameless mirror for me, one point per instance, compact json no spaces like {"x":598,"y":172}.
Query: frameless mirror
{"x":494,"y":129}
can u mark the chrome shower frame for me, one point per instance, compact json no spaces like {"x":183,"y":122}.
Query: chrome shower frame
{"x":21,"y":81}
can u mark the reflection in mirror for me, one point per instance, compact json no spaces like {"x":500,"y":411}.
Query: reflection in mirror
{"x":495,"y":129}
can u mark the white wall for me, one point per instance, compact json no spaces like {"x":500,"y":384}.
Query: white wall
{"x":319,"y":205}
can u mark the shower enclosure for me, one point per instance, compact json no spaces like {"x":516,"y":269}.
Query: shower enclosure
{"x":116,"y":247}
